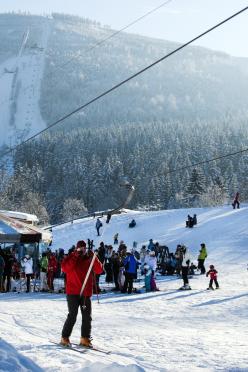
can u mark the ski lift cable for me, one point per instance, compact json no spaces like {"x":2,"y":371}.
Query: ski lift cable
{"x":132,"y":189}
{"x":207,"y":161}
{"x":125,"y":81}
{"x":171,"y":171}
{"x":99,"y":43}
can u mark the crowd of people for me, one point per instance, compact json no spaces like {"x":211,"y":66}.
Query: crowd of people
{"x":16,"y":274}
{"x":121,"y":266}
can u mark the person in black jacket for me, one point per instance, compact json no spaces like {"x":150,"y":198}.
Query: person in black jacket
{"x":9,"y":260}
{"x":236,"y":201}
{"x":2,"y":265}
{"x":108,"y":218}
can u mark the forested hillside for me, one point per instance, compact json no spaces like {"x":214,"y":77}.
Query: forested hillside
{"x":195,"y":82}
{"x":189,"y":108}
{"x":83,"y":169}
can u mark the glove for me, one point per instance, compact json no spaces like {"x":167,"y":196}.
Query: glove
{"x":90,"y":253}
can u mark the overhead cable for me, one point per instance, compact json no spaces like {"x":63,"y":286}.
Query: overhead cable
{"x":97,"y":44}
{"x":125,"y":81}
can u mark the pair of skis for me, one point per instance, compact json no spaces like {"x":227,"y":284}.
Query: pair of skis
{"x":81,"y":349}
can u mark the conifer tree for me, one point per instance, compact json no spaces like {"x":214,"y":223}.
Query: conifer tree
{"x":195,"y":188}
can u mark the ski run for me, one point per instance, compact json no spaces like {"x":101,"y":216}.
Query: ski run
{"x":166,"y":330}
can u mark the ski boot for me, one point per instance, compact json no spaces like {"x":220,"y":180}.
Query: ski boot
{"x":185,"y":287}
{"x":65,"y":341}
{"x":85,"y":342}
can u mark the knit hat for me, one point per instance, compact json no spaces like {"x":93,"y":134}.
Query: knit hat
{"x":80,"y":244}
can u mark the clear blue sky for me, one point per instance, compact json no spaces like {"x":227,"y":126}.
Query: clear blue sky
{"x":180,"y":20}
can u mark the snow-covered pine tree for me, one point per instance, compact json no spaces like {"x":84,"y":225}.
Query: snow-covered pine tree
{"x":73,"y":208}
{"x":196,"y":188}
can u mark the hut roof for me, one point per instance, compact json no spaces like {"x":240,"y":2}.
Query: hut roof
{"x":14,"y":231}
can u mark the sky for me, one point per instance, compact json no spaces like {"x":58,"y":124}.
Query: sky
{"x":178,"y":20}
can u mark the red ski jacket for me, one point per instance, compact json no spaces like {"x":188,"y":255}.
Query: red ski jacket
{"x":76,"y":267}
{"x":212,"y":273}
{"x":52,"y":264}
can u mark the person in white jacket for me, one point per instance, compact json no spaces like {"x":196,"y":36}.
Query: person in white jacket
{"x":185,"y":267}
{"x":151,"y":262}
{"x":27,"y":264}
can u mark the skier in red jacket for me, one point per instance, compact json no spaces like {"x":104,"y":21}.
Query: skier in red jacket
{"x":76,"y":266}
{"x":213,"y":277}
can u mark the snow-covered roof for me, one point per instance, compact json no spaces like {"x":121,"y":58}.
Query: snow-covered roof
{"x":20,"y":215}
{"x":16,"y":231}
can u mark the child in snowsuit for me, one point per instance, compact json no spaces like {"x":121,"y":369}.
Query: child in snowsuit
{"x":151,"y":261}
{"x":213,"y":277}
{"x":148,"y":276}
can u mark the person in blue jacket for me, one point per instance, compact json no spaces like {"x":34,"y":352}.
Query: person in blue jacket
{"x":131,"y":265}
{"x":151,"y":245}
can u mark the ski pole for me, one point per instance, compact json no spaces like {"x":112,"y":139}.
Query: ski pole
{"x":97,"y":296}
{"x":88,"y":274}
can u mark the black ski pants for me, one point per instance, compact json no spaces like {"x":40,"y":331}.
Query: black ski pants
{"x":116,"y":277}
{"x":73,"y":303}
{"x":185,"y":271}
{"x":8,"y":284}
{"x":128,"y":284}
{"x":211,"y":283}
{"x":236,"y":202}
{"x":201,"y":265}
{"x":28,"y":277}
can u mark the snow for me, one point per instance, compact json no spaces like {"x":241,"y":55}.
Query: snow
{"x":169,"y":330}
{"x":20,"y":92}
{"x":19,"y":215}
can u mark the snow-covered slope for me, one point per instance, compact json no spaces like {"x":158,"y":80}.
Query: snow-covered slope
{"x":169,"y":330}
{"x":220,"y":228}
{"x":20,"y":81}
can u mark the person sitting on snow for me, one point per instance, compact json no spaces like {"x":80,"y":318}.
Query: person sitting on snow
{"x":132,"y":223}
